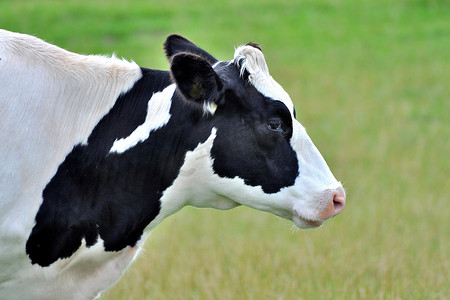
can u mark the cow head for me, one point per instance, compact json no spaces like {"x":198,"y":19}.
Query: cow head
{"x":257,"y":154}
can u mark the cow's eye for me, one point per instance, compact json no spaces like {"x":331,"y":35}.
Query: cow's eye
{"x":275,"y":125}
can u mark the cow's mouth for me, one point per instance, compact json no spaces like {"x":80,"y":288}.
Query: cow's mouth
{"x":303,"y":222}
{"x":313,"y":223}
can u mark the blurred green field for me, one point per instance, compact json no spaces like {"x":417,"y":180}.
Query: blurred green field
{"x":371,"y":83}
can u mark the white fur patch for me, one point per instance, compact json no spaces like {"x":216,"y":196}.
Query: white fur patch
{"x":252,"y":60}
{"x":50,"y":100}
{"x":158,"y":115}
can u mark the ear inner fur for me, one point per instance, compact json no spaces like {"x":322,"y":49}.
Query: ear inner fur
{"x":195,"y":78}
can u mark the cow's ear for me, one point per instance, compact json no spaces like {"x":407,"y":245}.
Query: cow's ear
{"x":175,"y":44}
{"x":196,"y":78}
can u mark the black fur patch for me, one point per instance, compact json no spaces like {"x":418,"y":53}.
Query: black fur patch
{"x":248,"y":149}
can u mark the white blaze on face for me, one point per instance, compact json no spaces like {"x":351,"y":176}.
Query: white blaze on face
{"x":254,"y":63}
{"x":316,"y":189}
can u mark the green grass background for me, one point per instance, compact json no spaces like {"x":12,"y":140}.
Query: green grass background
{"x":370,"y":81}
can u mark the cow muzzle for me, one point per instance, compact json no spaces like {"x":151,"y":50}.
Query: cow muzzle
{"x":335,"y":203}
{"x":327,"y":204}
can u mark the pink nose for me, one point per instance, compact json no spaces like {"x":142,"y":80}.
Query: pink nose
{"x":336,"y":204}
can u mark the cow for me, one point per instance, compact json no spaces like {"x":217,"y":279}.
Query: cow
{"x":96,"y":151}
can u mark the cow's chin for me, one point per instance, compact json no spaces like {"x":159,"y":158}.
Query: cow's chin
{"x":303,"y":223}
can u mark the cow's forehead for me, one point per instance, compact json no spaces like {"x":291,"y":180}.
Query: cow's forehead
{"x":251,"y":60}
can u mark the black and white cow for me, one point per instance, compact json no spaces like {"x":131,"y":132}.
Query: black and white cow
{"x":96,"y":151}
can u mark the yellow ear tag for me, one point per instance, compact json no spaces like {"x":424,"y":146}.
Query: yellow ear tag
{"x":210,"y":107}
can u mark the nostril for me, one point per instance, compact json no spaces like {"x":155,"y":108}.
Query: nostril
{"x":338,"y":203}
